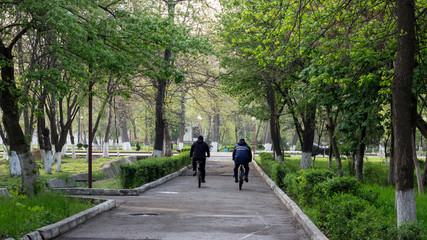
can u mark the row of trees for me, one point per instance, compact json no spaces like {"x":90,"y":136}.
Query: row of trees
{"x":360,"y":64}
{"x":56,"y":55}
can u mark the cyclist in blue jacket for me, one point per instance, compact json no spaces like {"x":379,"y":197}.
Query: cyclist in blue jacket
{"x":242,"y":155}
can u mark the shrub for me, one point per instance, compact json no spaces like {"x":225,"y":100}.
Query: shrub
{"x":411,"y":231}
{"x":79,"y":145}
{"x":338,"y":185}
{"x":276,"y":170}
{"x":346,"y":216}
{"x":186,"y":149}
{"x":375,"y":174}
{"x":260,"y":147}
{"x":266,"y":157}
{"x":302,"y":184}
{"x":347,"y":185}
{"x":148,"y":170}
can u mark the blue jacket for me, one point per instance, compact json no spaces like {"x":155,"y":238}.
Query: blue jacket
{"x":242,"y":153}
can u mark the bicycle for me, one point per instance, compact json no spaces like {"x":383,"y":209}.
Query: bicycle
{"x":199,"y":173}
{"x":241,"y":176}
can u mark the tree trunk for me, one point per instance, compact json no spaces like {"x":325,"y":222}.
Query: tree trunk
{"x":294,"y":142}
{"x":107,"y":133}
{"x":402,"y":112}
{"x":417,"y":166}
{"x":331,"y":131}
{"x":274,"y":123}
{"x":308,"y":136}
{"x":167,"y":150}
{"x":425,"y":173}
{"x":124,"y":134}
{"x":391,"y":169}
{"x":73,"y":143}
{"x":360,"y":154}
{"x":215,"y":131}
{"x":9,"y":105}
{"x":182,"y":123}
{"x":161,"y":94}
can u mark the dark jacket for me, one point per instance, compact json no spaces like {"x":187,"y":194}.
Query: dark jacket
{"x":242,"y":152}
{"x":199,"y":149}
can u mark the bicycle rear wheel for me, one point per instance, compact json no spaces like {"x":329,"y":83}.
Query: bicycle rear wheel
{"x":241,"y":178}
{"x":199,"y":175}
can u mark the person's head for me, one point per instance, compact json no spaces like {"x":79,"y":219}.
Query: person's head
{"x":200,"y":138}
{"x":242,"y":141}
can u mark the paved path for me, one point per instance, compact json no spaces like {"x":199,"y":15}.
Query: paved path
{"x":180,"y":210}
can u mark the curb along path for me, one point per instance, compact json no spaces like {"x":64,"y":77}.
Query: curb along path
{"x":178,"y":209}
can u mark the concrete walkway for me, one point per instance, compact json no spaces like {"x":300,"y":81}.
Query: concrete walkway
{"x":180,"y":210}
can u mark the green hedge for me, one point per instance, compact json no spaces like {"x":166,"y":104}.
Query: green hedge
{"x":276,"y":170}
{"x":230,"y":148}
{"x":150,"y":169}
{"x":343,"y":208}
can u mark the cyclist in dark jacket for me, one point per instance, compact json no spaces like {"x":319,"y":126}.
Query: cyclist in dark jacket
{"x":242,"y":155}
{"x":199,"y":151}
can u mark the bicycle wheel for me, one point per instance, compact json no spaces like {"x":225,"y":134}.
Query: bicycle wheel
{"x":241,"y":178}
{"x":199,"y":175}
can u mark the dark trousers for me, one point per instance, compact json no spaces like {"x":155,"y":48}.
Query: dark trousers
{"x":202,"y":166}
{"x":236,"y":168}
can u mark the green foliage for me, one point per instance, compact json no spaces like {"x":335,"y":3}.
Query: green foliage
{"x":375,"y":174}
{"x":349,"y":217}
{"x":301,"y":185}
{"x":186,"y":149}
{"x":148,"y":170}
{"x":229,"y":148}
{"x":21,"y":215}
{"x":411,"y":231}
{"x":276,"y":170}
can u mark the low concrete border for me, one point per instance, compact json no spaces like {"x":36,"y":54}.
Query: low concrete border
{"x":121,"y":192}
{"x":160,"y":181}
{"x":313,"y":232}
{"x":58,"y":228}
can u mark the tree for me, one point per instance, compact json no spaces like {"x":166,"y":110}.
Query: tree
{"x":403,"y":121}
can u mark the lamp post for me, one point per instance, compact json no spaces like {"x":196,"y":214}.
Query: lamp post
{"x":253,"y":137}
{"x":200,"y":119}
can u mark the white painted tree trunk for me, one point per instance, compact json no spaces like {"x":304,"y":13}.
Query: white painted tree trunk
{"x":48,"y":162}
{"x":106,"y":148}
{"x":305,"y":160}
{"x":5,"y":152}
{"x":64,"y":150}
{"x":278,"y":157}
{"x":118,"y":152}
{"x":43,"y":155}
{"x":126,"y":146}
{"x":214,"y":146}
{"x":180,"y":145}
{"x":405,"y":206}
{"x":267,"y":147}
{"x":15,"y":165}
{"x":73,"y":150}
{"x":156,"y":154}
{"x":58,"y":161}
{"x":293,"y":147}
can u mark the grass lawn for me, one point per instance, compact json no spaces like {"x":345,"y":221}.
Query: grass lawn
{"x":113,"y":183}
{"x":69,"y":166}
{"x":21,"y":215}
